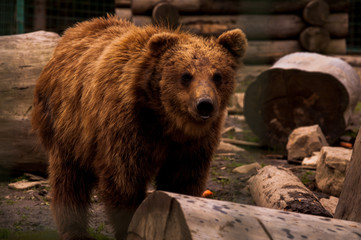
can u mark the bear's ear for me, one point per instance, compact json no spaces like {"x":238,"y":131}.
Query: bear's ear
{"x":160,"y":42}
{"x":234,"y":41}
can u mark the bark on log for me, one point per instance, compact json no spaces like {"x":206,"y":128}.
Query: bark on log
{"x":348,"y":206}
{"x":165,"y":215}
{"x":278,"y":188}
{"x":316,"y":12}
{"x":254,"y":26}
{"x":337,"y":25}
{"x":235,"y":6}
{"x":302,"y":89}
{"x":315,"y":39}
{"x":22,"y":58}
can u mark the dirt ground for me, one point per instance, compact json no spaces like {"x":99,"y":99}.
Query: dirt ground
{"x":26,"y":214}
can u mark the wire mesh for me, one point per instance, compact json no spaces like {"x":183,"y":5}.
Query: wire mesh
{"x":50,"y":15}
{"x":354,"y":37}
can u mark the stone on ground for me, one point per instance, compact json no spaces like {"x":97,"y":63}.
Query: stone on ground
{"x":331,"y":169}
{"x":330,"y":204}
{"x":311,"y":161}
{"x":303,"y":141}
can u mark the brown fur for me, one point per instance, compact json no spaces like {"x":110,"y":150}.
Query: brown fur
{"x":112,"y":111}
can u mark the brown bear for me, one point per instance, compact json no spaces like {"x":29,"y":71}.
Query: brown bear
{"x":119,"y":106}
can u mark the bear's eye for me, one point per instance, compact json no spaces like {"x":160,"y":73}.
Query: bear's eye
{"x":186,"y":78}
{"x":217,"y":78}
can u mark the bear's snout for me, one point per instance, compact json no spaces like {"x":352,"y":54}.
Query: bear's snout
{"x":205,"y":108}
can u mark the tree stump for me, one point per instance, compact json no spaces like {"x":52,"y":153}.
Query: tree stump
{"x":22,"y":58}
{"x":302,"y":89}
{"x":349,"y":207}
{"x":165,"y":215}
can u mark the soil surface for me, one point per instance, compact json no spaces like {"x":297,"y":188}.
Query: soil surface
{"x":25,"y":214}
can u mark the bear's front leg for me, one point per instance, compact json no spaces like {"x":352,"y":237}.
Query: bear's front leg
{"x":121,"y":192}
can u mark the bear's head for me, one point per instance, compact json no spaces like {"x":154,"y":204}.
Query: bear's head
{"x":196,"y":77}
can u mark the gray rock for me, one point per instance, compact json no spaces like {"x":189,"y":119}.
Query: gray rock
{"x":331,"y":169}
{"x":303,"y":141}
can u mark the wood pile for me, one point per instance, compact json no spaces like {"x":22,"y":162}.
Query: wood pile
{"x":273,"y":28}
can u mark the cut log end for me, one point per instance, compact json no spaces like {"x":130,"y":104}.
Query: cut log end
{"x":316,"y":12}
{"x":315,"y":39}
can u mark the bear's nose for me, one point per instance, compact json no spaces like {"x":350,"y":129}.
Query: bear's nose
{"x":205,"y":107}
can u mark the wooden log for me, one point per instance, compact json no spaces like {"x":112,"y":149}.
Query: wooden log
{"x":278,"y":188}
{"x":145,"y":7}
{"x":315,"y":39}
{"x":165,"y":215}
{"x":270,"y":51}
{"x":316,"y":12}
{"x":302,"y":89}
{"x":124,"y":13}
{"x":254,"y":26}
{"x":165,"y":14}
{"x":22,"y":58}
{"x":337,"y":25}
{"x":348,"y":206}
{"x":39,"y":20}
{"x":241,"y":142}
{"x":140,"y":20}
{"x":123,"y":3}
{"x":336,"y":46}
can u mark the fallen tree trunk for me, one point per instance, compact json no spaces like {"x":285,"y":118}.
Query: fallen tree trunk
{"x":278,"y":188}
{"x":302,"y":89}
{"x":348,"y":206}
{"x":165,"y":215}
{"x":235,"y":6}
{"x":22,"y":58}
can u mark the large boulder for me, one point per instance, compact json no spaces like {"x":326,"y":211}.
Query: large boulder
{"x":331,"y":169}
{"x":303,"y":141}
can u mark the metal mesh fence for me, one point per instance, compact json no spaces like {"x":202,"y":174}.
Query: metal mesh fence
{"x":50,"y":15}
{"x":7,"y":17}
{"x":354,"y":38}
